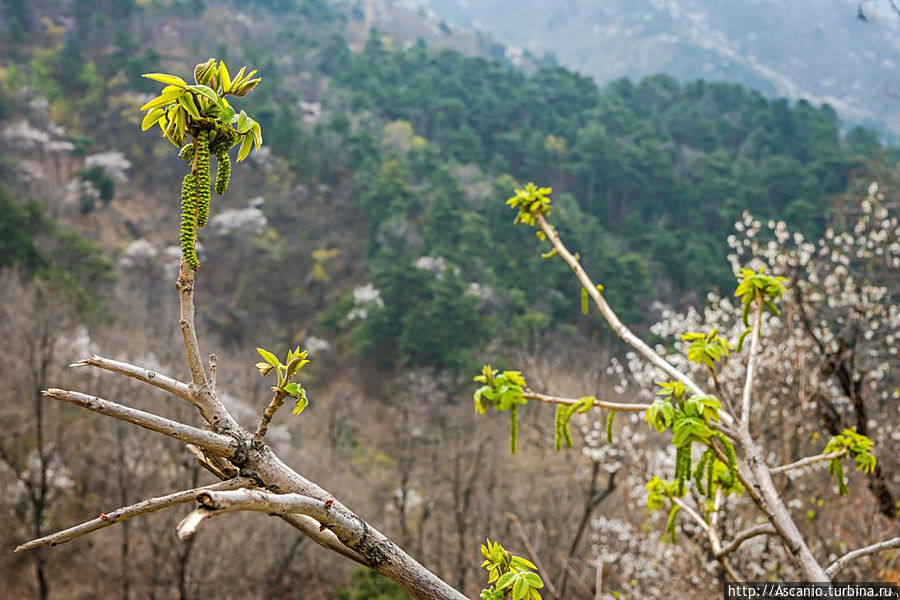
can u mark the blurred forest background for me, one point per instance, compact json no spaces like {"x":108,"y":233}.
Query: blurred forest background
{"x":372,"y":230}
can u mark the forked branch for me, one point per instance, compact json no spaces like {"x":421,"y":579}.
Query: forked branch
{"x":745,"y":535}
{"x":214,"y":442}
{"x":129,"y":512}
{"x":835,"y":567}
{"x":809,"y":460}
{"x":163,"y":382}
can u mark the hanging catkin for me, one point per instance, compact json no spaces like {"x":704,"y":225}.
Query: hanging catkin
{"x":188,"y":212}
{"x":202,"y":178}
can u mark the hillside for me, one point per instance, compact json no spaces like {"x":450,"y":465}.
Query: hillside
{"x":817,"y":50}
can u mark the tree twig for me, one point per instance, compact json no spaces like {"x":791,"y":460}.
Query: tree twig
{"x":208,"y":440}
{"x":809,"y":460}
{"x":691,"y":512}
{"x":163,"y":382}
{"x":745,"y":535}
{"x":751,"y":367}
{"x":551,"y":589}
{"x":835,"y":567}
{"x":549,"y":399}
{"x":129,"y":512}
{"x":268,"y":413}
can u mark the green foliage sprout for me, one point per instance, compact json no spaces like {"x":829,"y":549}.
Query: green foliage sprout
{"x":855,"y":444}
{"x":706,"y":349}
{"x":506,"y":392}
{"x":513,"y":577}
{"x":286,"y":371}
{"x":201,"y":111}
{"x":531,"y":201}
{"x":757,"y":287}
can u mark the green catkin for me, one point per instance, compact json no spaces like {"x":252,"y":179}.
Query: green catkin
{"x":584,"y":301}
{"x":698,"y":472}
{"x":567,"y":416}
{"x":839,"y":474}
{"x":609,"y":426}
{"x":729,"y":453}
{"x":513,"y":427}
{"x":670,"y":524}
{"x":682,"y":466}
{"x":202,"y":178}
{"x":223,"y":172}
{"x":711,"y":471}
{"x":188,"y":212}
{"x":557,"y":427}
{"x":187,"y":152}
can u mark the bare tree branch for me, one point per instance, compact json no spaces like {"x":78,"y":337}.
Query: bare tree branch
{"x":325,"y":538}
{"x":745,"y":535}
{"x":128,"y":512}
{"x":691,"y":512}
{"x":747,"y":392}
{"x":163,"y":382}
{"x":809,"y":460}
{"x":214,"y":442}
{"x":835,"y":567}
{"x":547,"y":398}
{"x":618,"y":327}
{"x":185,"y":286}
{"x":551,"y":589}
{"x":376,"y":550}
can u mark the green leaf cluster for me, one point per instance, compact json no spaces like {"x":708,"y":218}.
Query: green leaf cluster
{"x":857,"y":445}
{"x":505,"y":391}
{"x":692,"y":419}
{"x":182,"y":108}
{"x":531,"y":201}
{"x":757,"y":287}
{"x":201,"y":111}
{"x":706,"y":349}
{"x":513,"y":577}
{"x":296,"y":359}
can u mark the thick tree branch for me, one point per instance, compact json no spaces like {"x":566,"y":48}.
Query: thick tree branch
{"x":163,"y":382}
{"x":377,"y":551}
{"x":547,"y":398}
{"x":745,"y":535}
{"x":135,"y":510}
{"x":214,"y":442}
{"x":835,"y":567}
{"x":325,"y":538}
{"x":185,"y":286}
{"x":809,"y":460}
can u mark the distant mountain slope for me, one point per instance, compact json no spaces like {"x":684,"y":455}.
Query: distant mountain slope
{"x":814,"y":49}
